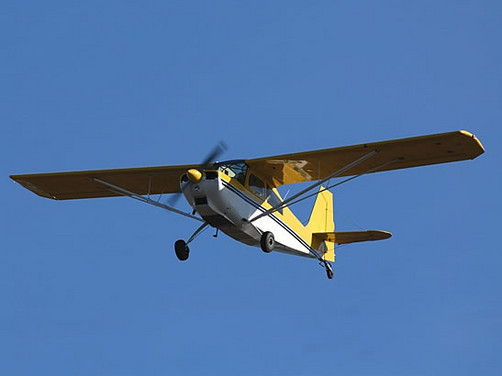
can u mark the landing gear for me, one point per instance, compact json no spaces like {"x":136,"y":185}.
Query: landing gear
{"x":181,"y":249}
{"x":329,"y":269}
{"x":267,"y":242}
{"x":181,"y":246}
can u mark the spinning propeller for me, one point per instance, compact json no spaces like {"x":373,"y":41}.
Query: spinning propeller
{"x":195,"y":174}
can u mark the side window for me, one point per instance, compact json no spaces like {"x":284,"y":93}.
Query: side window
{"x":256,"y":185}
{"x":241,"y":177}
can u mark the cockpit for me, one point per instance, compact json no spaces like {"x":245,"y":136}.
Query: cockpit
{"x":234,"y":169}
{"x":239,"y":170}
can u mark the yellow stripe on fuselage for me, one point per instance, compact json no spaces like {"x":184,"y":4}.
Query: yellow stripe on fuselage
{"x":286,"y":216}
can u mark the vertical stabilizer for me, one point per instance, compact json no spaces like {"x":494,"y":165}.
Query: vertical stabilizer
{"x":321,"y":221}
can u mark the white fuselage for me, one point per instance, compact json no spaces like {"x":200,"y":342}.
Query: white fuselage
{"x":230,"y":209}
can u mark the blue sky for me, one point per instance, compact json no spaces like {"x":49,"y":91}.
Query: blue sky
{"x":92,"y":287}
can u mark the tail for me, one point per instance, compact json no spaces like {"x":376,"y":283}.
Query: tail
{"x":321,"y":221}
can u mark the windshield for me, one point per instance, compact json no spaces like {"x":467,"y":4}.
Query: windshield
{"x":236,"y":170}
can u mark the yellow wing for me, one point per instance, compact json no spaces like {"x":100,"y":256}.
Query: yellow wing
{"x":81,"y":184}
{"x":391,"y":155}
{"x":282,"y":169}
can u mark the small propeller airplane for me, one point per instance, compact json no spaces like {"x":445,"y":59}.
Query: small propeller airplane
{"x":240,"y":197}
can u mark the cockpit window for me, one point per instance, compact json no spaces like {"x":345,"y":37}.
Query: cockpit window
{"x":257,"y":185}
{"x":235,"y":170}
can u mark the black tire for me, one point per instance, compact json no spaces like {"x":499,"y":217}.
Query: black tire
{"x":329,"y":272}
{"x":267,"y":242}
{"x":181,"y":249}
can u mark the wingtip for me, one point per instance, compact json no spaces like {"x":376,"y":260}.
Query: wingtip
{"x":478,"y":142}
{"x":31,"y":187}
{"x":380,"y":234}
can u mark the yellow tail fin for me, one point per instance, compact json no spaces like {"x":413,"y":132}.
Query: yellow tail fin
{"x":321,"y":221}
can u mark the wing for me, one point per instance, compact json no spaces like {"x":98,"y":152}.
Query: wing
{"x":391,"y":155}
{"x":81,"y":184}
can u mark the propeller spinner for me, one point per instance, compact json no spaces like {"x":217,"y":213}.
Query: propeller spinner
{"x":195,"y":174}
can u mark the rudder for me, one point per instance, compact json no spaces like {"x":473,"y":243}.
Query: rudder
{"x":321,"y":221}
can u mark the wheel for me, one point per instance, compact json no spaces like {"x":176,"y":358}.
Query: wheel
{"x":181,"y":249}
{"x":329,"y":270}
{"x":267,"y":242}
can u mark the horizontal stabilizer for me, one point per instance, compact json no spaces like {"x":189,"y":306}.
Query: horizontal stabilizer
{"x":352,"y":236}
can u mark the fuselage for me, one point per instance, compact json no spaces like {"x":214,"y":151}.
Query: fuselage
{"x":229,"y":201}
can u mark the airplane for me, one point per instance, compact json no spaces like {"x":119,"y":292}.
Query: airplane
{"x":241,"y":199}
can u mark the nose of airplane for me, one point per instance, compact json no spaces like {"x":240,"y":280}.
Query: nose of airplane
{"x":194,"y":175}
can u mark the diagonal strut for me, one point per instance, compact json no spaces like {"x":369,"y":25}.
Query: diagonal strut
{"x":316,"y":184}
{"x":146,"y":200}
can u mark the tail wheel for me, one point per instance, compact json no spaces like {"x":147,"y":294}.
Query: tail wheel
{"x":329,"y":269}
{"x":181,"y":249}
{"x":267,"y":242}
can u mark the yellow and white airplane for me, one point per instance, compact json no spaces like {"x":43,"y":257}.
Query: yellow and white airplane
{"x":240,"y":197}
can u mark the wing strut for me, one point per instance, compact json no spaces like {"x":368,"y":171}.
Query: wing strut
{"x":146,"y":200}
{"x":316,"y":184}
{"x":375,"y":169}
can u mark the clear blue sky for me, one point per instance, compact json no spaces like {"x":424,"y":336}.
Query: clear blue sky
{"x":92,"y":287}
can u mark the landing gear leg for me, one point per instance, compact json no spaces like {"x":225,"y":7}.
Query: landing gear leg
{"x":181,"y":247}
